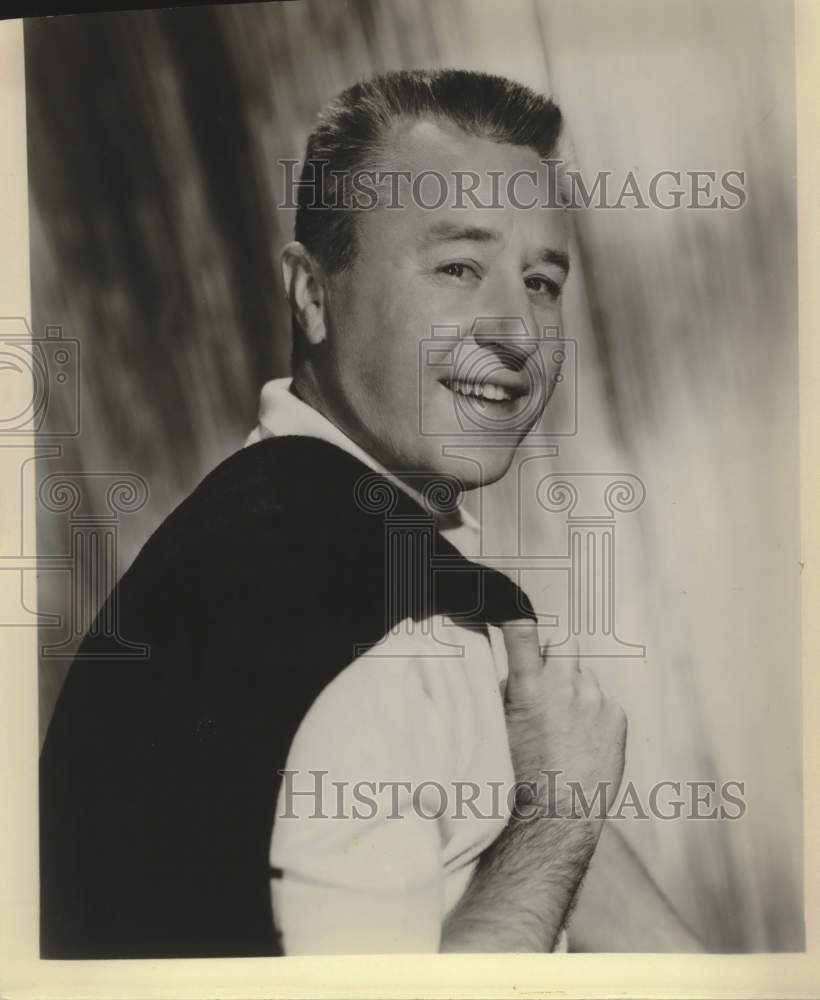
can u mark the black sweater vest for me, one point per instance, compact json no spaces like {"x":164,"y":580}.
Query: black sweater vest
{"x":158,"y":777}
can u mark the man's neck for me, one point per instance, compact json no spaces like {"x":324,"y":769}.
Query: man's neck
{"x":305,"y":387}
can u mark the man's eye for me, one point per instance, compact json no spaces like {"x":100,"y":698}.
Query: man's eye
{"x":456,"y":270}
{"x":543,"y":286}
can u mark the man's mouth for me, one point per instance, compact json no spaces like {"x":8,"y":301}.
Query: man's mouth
{"x":487,"y":390}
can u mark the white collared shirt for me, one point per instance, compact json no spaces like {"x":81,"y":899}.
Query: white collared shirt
{"x":375,"y":854}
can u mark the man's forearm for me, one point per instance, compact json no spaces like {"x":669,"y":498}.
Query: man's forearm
{"x":525,"y":883}
{"x":522,"y":888}
{"x":619,"y":907}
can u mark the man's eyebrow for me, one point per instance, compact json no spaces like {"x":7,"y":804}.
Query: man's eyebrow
{"x":443,"y":232}
{"x":551,"y":256}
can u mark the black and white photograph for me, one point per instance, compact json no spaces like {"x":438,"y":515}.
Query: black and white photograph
{"x":409,"y":407}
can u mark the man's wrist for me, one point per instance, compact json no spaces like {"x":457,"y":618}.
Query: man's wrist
{"x":549,"y":795}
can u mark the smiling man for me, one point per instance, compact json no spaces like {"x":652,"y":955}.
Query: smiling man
{"x":492,"y":275}
{"x":317,"y":754}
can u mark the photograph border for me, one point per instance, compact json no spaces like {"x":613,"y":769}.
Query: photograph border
{"x":22,"y":974}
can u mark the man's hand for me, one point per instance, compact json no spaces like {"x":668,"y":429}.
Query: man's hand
{"x":558,"y":718}
{"x":524,"y":884}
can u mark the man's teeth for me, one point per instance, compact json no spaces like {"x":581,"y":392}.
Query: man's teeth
{"x":485,"y":390}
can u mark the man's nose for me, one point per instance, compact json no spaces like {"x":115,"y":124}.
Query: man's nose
{"x":511,"y":338}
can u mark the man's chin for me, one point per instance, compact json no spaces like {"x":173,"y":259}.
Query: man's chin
{"x":475,"y":461}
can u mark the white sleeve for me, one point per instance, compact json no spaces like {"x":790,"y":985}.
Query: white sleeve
{"x":358,"y":851}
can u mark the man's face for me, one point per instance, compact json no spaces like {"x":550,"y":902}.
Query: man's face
{"x":436,"y":330}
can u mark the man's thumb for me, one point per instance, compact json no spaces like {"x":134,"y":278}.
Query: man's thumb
{"x":524,"y":659}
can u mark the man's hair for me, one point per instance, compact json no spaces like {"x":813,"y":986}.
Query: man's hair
{"x":351,"y":131}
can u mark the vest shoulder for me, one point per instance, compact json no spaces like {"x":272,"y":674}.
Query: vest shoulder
{"x":317,"y":520}
{"x":283,"y":488}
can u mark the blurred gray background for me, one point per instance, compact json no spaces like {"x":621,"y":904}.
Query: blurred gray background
{"x":153,"y":143}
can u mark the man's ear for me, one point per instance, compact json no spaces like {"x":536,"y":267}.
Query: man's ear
{"x":304,"y":285}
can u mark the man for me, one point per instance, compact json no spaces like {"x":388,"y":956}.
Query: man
{"x":301,"y":644}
